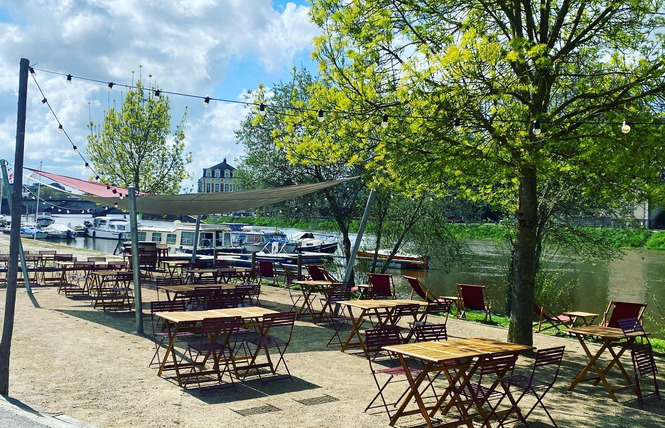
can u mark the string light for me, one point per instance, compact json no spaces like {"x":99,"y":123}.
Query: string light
{"x":384,"y":120}
{"x":87,"y":165}
{"x":110,"y":86}
{"x":69,"y":79}
{"x":456,"y":125}
{"x":206,"y":102}
{"x":76,"y":149}
{"x":320,"y":115}
{"x":157,"y":93}
{"x":536,"y":128}
{"x":60,"y":128}
{"x":44,"y":101}
{"x":32,"y":70}
{"x":262,"y":109}
{"x":625,"y":127}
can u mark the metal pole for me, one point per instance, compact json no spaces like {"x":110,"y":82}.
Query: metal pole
{"x":15,"y":234}
{"x":196,"y":237}
{"x":39,"y":188}
{"x":136,"y":266}
{"x":361,"y":231}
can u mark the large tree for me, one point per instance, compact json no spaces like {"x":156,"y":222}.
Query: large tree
{"x":509,"y":101}
{"x":133,"y":146}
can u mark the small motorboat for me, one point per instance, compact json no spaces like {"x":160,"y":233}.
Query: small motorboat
{"x":33,"y":232}
{"x":59,"y":231}
{"x":308,"y":242}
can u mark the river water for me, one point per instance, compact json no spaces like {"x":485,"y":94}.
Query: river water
{"x":638,"y":276}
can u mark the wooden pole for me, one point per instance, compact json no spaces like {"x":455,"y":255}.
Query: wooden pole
{"x":15,"y":233}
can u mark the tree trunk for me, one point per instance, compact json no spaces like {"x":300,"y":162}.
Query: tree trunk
{"x":521,"y":315}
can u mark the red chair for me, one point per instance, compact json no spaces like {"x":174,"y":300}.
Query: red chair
{"x":382,"y":286}
{"x":555,"y":321}
{"x":473,"y":297}
{"x":622,"y":310}
{"x":319,"y":273}
{"x":266,"y":270}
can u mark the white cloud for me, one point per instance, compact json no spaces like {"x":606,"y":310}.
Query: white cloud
{"x":185,"y":45}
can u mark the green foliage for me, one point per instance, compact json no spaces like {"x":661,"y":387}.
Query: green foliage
{"x":133,"y":147}
{"x":656,"y":241}
{"x":621,"y":237}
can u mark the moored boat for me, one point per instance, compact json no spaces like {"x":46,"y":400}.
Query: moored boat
{"x":33,"y":232}
{"x":399,"y":261}
{"x":59,"y":231}
{"x":308,"y":242}
{"x":108,"y":228}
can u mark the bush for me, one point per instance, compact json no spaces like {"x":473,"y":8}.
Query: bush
{"x":656,"y":241}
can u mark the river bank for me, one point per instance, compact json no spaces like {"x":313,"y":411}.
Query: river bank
{"x":71,"y":358}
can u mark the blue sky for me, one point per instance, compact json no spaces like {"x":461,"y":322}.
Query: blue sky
{"x":216,"y":48}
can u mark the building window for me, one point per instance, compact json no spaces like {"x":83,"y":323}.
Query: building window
{"x":216,"y":187}
{"x":171,"y":238}
{"x":207,"y":187}
{"x":208,"y":173}
{"x":156,"y":237}
{"x":227,"y":173}
{"x":226,"y":187}
{"x":141,"y":236}
{"x":217,"y":173}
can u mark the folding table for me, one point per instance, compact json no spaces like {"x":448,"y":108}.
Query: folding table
{"x":612,"y":338}
{"x":380,"y":308}
{"x":453,"y":359}
{"x":307,"y":287}
{"x":177,"y":320}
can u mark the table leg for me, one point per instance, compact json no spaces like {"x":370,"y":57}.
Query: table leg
{"x":593,"y":364}
{"x":355,"y":331}
{"x":173,"y":332}
{"x":413,"y":393}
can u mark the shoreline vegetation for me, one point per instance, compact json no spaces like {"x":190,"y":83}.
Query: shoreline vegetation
{"x":628,"y":237}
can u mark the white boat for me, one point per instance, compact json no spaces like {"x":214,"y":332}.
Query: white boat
{"x":308,"y":242}
{"x":108,"y":228}
{"x":399,"y":261}
{"x":33,"y":232}
{"x":179,"y":237}
{"x":59,"y":231}
{"x":44,"y":219}
{"x":263,"y":241}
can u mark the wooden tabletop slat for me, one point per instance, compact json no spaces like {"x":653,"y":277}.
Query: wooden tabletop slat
{"x":455,"y":349}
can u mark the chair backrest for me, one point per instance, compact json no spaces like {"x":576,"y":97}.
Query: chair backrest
{"x":266,"y":268}
{"x":631,"y":326}
{"x":96,"y":259}
{"x":339,"y":292}
{"x":430,"y":332}
{"x":116,"y":265}
{"x":316,"y":273}
{"x":501,"y":364}
{"x":473,"y":296}
{"x":222,"y":325}
{"x":547,"y":359}
{"x":378,"y":337}
{"x":290,"y":274}
{"x":283,"y":320}
{"x":419,"y":288}
{"x":622,"y":310}
{"x":63,"y":257}
{"x":222,"y":299}
{"x":439,"y":306}
{"x":167,"y":306}
{"x":407,"y":310}
{"x":382,"y":285}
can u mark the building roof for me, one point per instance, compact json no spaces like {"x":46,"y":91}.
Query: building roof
{"x":222,"y":165}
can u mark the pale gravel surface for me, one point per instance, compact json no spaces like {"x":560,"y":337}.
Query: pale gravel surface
{"x":70,"y":358}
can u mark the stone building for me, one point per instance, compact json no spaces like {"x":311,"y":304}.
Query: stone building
{"x":218,"y":178}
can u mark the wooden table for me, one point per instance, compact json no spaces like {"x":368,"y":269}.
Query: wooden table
{"x":173,"y":265}
{"x":380,"y":308}
{"x":194,"y":275}
{"x":175,"y":320}
{"x":437,"y":358}
{"x":184,"y":289}
{"x":587,"y":317}
{"x":307,"y":288}
{"x":612,"y":339}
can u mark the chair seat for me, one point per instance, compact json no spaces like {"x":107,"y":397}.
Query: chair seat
{"x":266,"y":341}
{"x":481,"y":392}
{"x":563,"y":319}
{"x":522,"y":382}
{"x":207,"y":347}
{"x":397,"y":371}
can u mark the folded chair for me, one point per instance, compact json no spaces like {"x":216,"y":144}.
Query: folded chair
{"x":275,"y":333}
{"x":381,"y":286}
{"x":644,"y":366}
{"x":545,"y":316}
{"x":159,"y":332}
{"x":473,"y":298}
{"x":538,"y":383}
{"x":617,"y":310}
{"x":385,"y":364}
{"x":216,"y":345}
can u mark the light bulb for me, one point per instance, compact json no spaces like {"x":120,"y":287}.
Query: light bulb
{"x":69,"y":79}
{"x":109,"y":87}
{"x":87,"y":165}
{"x":384,"y":120}
{"x":44,"y":101}
{"x":536,"y":128}
{"x":262,"y":109}
{"x":60,"y":128}
{"x":625,"y":127}
{"x":456,"y":125}
{"x":320,"y":116}
{"x":157,"y":93}
{"x":206,"y":102}
{"x":76,"y":149}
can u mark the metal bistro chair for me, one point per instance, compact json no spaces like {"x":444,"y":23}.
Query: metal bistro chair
{"x":641,"y":355}
{"x":275,"y":333}
{"x":290,"y":275}
{"x":159,"y":332}
{"x":543,"y":376}
{"x":336,"y":314}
